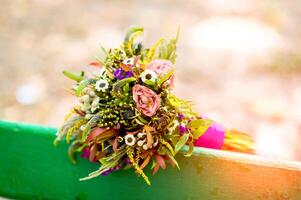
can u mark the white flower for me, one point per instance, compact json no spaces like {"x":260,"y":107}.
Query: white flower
{"x":172,"y":128}
{"x":92,"y":93}
{"x":101,"y":85}
{"x":140,"y":135}
{"x":95,"y":104}
{"x":85,"y":99}
{"x":82,"y":127}
{"x":85,"y":107}
{"x":148,"y":76}
{"x":130,"y":140}
{"x":144,"y":147}
{"x":141,"y":142}
{"x":102,"y":72}
{"x":128,"y":62}
{"x":88,"y":116}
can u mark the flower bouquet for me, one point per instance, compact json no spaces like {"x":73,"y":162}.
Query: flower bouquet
{"x":128,"y":117}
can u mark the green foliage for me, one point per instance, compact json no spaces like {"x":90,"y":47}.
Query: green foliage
{"x":74,"y":147}
{"x":92,"y":122}
{"x":122,"y":87}
{"x":165,"y":77}
{"x":128,"y":43}
{"x":167,"y":49}
{"x":181,"y":142}
{"x":84,"y":83}
{"x":180,"y":105}
{"x":171,"y":157}
{"x":199,"y":126}
{"x":152,"y":52}
{"x":73,"y":76}
{"x":190,"y":150}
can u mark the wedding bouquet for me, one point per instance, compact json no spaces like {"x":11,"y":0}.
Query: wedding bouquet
{"x":128,"y":117}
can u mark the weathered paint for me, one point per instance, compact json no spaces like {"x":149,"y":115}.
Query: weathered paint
{"x":32,"y":168}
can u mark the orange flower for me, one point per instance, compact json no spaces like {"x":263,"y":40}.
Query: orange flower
{"x":147,"y":101}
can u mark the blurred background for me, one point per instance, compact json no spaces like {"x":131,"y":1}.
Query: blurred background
{"x":239,"y":61}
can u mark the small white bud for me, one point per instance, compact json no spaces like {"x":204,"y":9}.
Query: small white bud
{"x":82,"y":127}
{"x":85,"y":98}
{"x":88,"y":116}
{"x":140,"y":143}
{"x":144,"y":147}
{"x":140,"y":135}
{"x":92,"y":93}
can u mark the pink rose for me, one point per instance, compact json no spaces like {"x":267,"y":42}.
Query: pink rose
{"x":147,"y":101}
{"x":162,"y":67}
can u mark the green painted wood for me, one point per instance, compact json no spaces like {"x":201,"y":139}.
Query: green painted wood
{"x":32,"y":168}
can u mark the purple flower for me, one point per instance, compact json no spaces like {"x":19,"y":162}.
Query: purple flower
{"x":86,"y":153}
{"x":182,"y":129}
{"x":180,"y":116}
{"x":127,"y":161}
{"x":121,"y":74}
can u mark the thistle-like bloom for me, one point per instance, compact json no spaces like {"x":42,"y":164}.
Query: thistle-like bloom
{"x":148,"y":76}
{"x":101,"y":85}
{"x":147,"y":101}
{"x":121,"y":74}
{"x":180,"y":116}
{"x":182,"y":129}
{"x":162,"y":67}
{"x":130,"y":140}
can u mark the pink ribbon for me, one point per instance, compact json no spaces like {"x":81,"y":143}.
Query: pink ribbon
{"x":213,"y":138}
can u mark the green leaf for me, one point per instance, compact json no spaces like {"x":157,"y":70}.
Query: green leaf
{"x":118,"y":87}
{"x":71,"y":150}
{"x":181,"y":142}
{"x":165,"y":77}
{"x":137,"y":48}
{"x":131,"y":35}
{"x":162,"y":52}
{"x":99,"y":59}
{"x":190,"y":150}
{"x":139,"y":122}
{"x":167,"y":50}
{"x":130,"y":32}
{"x":126,"y":88}
{"x":177,"y":35}
{"x":104,"y":51}
{"x":82,"y":85}
{"x":122,"y":82}
{"x":73,"y":76}
{"x":151,"y":53}
{"x":141,"y":119}
{"x":96,"y":173}
{"x":199,"y":126}
{"x":169,"y":154}
{"x":154,"y":164}
{"x":92,"y":122}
